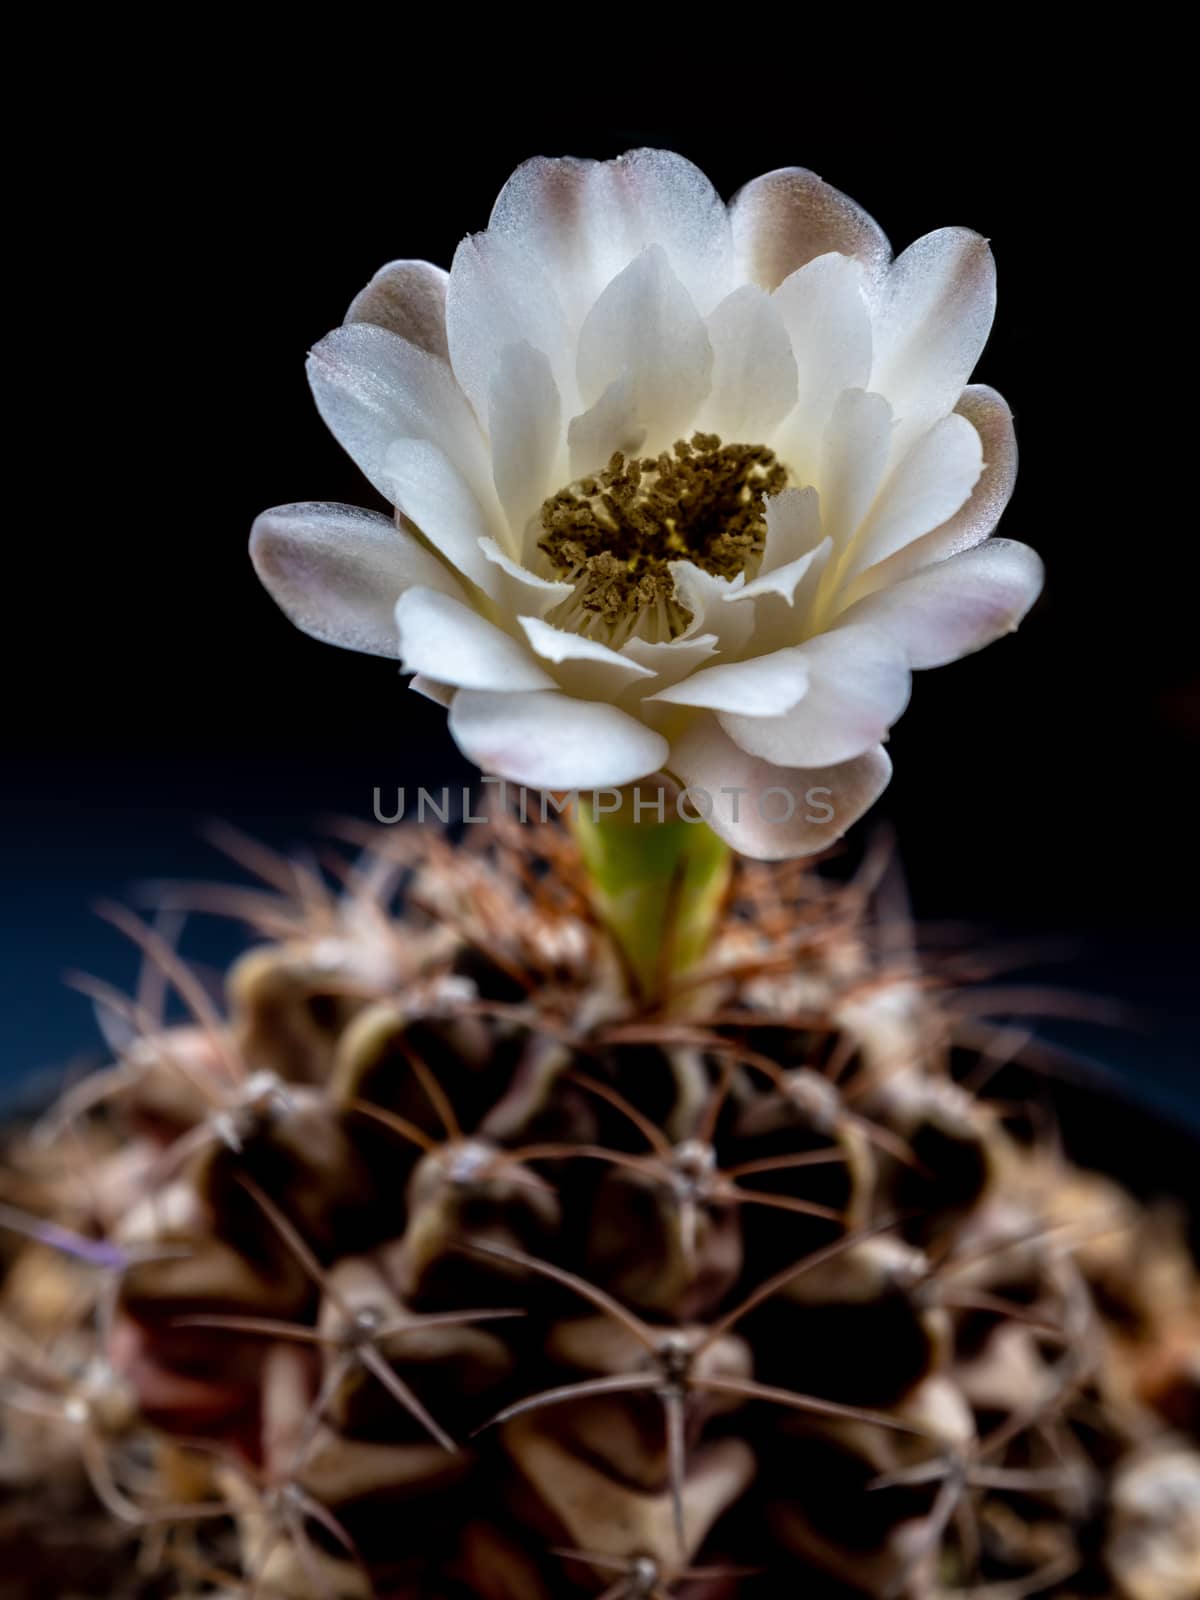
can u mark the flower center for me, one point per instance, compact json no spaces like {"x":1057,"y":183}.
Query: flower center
{"x":614,"y":534}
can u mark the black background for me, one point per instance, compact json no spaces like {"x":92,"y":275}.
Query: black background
{"x":187,"y":242}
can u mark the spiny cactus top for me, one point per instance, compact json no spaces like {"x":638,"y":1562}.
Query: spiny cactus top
{"x":678,"y":486}
{"x":437,"y":1267}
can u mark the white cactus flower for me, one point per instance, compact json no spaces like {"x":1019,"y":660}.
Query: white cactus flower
{"x":679,"y":486}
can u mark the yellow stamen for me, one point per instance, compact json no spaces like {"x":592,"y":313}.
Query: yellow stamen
{"x":614,"y":534}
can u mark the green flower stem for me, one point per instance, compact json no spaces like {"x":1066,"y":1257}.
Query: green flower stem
{"x":659,"y":886}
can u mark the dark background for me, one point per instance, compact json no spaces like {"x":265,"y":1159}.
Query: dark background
{"x":187,"y":245}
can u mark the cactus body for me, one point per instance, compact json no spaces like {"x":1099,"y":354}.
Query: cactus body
{"x":434,"y":1266}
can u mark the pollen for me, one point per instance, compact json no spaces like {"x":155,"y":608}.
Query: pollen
{"x":615,"y":533}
